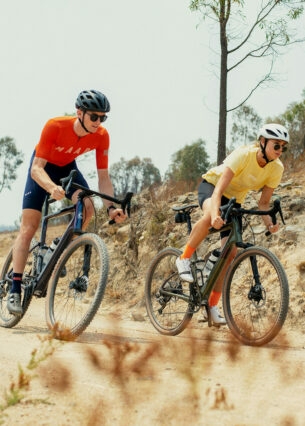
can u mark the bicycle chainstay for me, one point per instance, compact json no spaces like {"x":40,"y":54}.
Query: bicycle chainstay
{"x":168,"y":291}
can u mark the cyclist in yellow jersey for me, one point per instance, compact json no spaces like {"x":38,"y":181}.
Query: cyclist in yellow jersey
{"x":255,"y":167}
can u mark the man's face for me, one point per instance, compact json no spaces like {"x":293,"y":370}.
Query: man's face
{"x":92,"y":120}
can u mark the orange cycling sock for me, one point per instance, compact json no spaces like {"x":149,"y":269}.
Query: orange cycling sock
{"x":214,"y":298}
{"x":188,"y":252}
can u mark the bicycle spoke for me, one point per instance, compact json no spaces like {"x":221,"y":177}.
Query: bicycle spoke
{"x":168,"y":313}
{"x":77,"y":285}
{"x":256,"y":302}
{"x":7,"y":319}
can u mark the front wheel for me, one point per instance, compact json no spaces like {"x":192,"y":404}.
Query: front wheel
{"x":255,"y":296}
{"x":168,"y":314}
{"x":77,"y":286}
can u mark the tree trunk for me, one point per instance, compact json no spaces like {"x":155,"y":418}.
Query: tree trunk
{"x":222,"y":125}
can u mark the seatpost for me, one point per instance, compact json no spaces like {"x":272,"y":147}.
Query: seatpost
{"x":189,"y":222}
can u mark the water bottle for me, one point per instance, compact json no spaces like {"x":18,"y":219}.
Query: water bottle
{"x":49,"y":252}
{"x":210,"y":264}
{"x":41,"y":254}
{"x":199,"y":271}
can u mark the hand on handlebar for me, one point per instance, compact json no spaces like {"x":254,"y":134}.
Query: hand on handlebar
{"x":57,"y":193}
{"x":217,"y":222}
{"x":117,"y":216}
{"x":272,"y":229}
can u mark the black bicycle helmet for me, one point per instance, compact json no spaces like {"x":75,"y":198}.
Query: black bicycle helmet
{"x":92,"y":100}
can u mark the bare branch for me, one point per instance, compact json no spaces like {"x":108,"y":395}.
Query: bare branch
{"x":260,"y":18}
{"x":267,"y":78}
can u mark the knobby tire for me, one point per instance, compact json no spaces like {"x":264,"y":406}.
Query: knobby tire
{"x":168,"y":314}
{"x":255,"y":322}
{"x":7,"y":319}
{"x":69,"y":307}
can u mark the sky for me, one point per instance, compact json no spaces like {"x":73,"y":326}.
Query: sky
{"x":154,"y":60}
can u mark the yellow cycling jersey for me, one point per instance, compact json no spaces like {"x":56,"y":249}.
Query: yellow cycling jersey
{"x":248,"y":175}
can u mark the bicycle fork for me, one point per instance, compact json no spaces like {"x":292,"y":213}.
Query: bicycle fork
{"x":80,"y":283}
{"x":257,"y":292}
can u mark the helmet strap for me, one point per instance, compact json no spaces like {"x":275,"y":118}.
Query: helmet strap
{"x":263,"y":148}
{"x":82,"y":122}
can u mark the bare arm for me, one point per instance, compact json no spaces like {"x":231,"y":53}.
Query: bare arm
{"x":220,"y":187}
{"x":106,"y":187}
{"x":264,"y":204}
{"x":40,"y":176}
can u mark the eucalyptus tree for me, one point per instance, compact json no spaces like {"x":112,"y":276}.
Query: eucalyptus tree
{"x":189,"y":163}
{"x":10,"y":159}
{"x":248,"y":30}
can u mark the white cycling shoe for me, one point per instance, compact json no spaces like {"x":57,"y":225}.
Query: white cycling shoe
{"x":184,"y":269}
{"x":216,"y":318}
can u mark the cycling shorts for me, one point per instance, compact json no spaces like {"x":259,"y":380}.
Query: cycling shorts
{"x":205,"y":191}
{"x":34,"y":195}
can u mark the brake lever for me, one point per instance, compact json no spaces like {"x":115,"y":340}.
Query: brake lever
{"x":226,"y":210}
{"x":67,"y":181}
{"x":126,"y":203}
{"x":279,"y":209}
{"x":276,"y":209}
{"x":125,"y":206}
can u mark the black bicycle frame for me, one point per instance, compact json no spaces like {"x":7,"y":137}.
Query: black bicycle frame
{"x":40,"y":282}
{"x":75,"y":226}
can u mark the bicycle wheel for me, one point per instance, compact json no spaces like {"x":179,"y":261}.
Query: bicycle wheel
{"x":255,"y":296}
{"x":7,"y":319}
{"x":77,"y":285}
{"x":168,"y":314}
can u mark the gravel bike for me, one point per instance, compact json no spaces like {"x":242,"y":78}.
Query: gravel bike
{"x":73,"y":279}
{"x":255,"y":293}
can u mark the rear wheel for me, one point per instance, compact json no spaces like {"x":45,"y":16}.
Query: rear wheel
{"x":169,"y":314}
{"x":255,"y":296}
{"x":77,"y":286}
{"x":7,"y":319}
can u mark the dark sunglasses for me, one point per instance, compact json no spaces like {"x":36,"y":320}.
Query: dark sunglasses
{"x":94,"y":117}
{"x":278,"y":146}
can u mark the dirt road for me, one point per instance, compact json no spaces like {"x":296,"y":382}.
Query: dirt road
{"x":122,"y":372}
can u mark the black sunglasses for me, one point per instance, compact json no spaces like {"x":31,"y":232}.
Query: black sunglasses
{"x":94,"y":117}
{"x":278,"y":146}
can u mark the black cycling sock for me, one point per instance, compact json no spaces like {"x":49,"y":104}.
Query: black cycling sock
{"x":17,"y":280}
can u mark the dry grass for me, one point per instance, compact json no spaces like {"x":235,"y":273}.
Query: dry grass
{"x":170,"y":373}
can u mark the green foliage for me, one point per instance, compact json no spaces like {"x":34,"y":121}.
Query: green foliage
{"x":189,"y":163}
{"x":10,"y":160}
{"x":246,"y":123}
{"x":294,"y":119}
{"x":133,"y":175}
{"x":242,"y":38}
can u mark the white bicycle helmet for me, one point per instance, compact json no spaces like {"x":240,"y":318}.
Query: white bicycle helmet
{"x":274,"y":131}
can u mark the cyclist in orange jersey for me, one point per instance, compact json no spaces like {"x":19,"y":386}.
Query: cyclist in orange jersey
{"x":62,"y":140}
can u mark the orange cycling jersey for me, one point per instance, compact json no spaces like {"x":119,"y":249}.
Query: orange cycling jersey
{"x":60,"y":145}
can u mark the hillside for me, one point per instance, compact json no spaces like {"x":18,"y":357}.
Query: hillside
{"x":151,"y":227}
{"x":122,"y":372}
